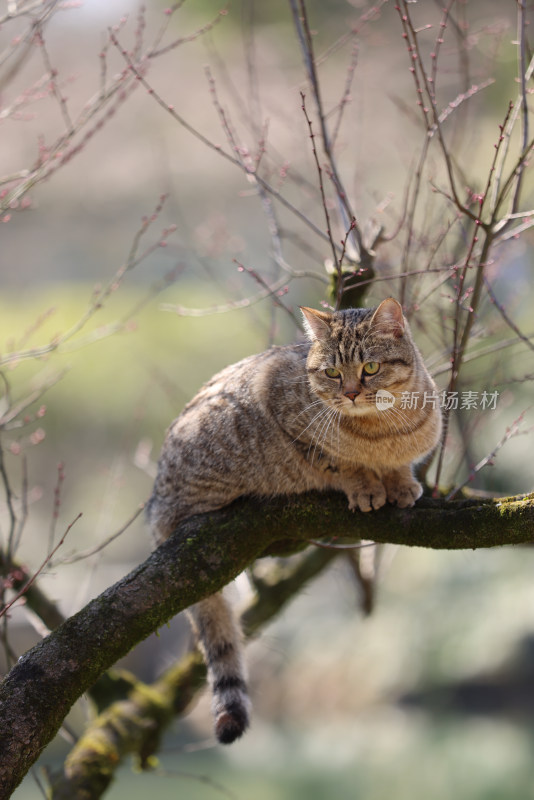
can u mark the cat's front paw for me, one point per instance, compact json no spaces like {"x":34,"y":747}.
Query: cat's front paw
{"x":405,"y":493}
{"x":368,"y":498}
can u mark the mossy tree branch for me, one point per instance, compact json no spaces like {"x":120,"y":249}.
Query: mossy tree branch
{"x":205,"y":553}
{"x":134,"y":724}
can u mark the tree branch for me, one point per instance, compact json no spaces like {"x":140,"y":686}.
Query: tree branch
{"x":203,"y":555}
{"x":134,"y":723}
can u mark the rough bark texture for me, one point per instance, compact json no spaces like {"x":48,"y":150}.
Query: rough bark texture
{"x":135,"y":723}
{"x":205,"y":553}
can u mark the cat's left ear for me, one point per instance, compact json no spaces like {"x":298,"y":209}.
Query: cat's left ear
{"x":389,"y":319}
{"x":316,"y":323}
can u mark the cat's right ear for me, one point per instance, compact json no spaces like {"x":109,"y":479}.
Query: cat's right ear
{"x":316,"y":323}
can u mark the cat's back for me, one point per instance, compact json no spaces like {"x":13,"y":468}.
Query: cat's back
{"x":246,"y":386}
{"x":228,"y":440}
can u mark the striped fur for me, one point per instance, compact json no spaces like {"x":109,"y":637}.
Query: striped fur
{"x":280,"y":423}
{"x":220,"y":639}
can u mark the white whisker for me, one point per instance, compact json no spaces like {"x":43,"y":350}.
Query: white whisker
{"x":324,"y":410}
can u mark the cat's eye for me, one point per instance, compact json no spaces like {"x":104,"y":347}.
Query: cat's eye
{"x":371,"y":368}
{"x":332,"y":372}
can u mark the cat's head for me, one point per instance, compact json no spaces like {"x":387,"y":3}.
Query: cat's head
{"x":359,"y":356}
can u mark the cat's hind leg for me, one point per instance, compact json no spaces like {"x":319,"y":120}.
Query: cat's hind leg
{"x":219,"y":637}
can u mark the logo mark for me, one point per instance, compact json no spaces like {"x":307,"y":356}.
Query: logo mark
{"x":384,"y":400}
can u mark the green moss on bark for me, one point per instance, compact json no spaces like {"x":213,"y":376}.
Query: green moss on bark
{"x":204,"y":554}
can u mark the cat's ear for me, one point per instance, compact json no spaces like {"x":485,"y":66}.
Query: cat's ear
{"x":388,"y":318}
{"x":316,"y":323}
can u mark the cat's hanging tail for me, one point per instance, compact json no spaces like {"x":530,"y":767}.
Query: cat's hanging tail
{"x":219,"y":637}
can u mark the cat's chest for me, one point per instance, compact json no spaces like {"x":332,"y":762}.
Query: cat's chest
{"x":344,"y":450}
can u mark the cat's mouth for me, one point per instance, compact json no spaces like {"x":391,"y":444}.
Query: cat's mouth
{"x":362,"y":405}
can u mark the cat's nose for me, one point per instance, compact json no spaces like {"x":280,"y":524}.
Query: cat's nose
{"x":352,"y":395}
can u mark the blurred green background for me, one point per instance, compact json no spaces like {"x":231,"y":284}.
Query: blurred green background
{"x":431,"y":695}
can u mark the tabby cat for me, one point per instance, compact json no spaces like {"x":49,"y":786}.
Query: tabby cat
{"x":291,"y":419}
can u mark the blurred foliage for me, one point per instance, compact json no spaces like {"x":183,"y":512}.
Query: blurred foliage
{"x":150,"y":366}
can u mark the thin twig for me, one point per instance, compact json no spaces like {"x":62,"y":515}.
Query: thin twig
{"x":513,"y":430}
{"x":319,"y":169}
{"x":94,"y":550}
{"x":521,"y":70}
{"x":502,"y":311}
{"x":169,"y":109}
{"x":300,"y":19}
{"x":35,"y":575}
{"x":9,"y":502}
